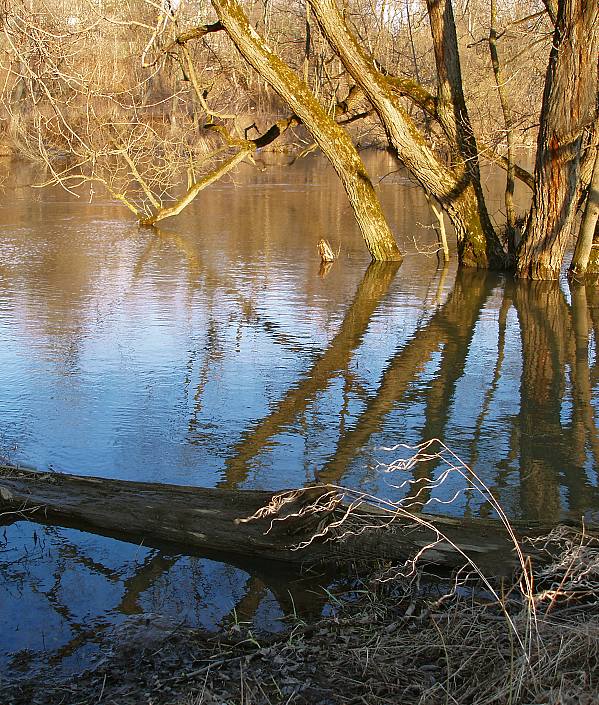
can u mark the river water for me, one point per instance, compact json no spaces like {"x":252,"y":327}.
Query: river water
{"x":217,"y":352}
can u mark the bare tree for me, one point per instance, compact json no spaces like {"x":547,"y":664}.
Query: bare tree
{"x":325,"y":70}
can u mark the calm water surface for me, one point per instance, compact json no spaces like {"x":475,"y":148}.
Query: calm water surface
{"x":216,"y":352}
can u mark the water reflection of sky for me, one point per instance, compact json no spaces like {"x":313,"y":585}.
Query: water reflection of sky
{"x":214,"y":354}
{"x":131,"y":356}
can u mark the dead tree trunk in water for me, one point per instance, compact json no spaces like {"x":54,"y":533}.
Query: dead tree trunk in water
{"x":210,"y":520}
{"x":568,"y":108}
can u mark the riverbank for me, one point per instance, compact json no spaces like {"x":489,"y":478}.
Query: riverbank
{"x":389,"y":638}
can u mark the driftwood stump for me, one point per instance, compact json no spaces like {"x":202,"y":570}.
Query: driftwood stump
{"x":326,"y":251}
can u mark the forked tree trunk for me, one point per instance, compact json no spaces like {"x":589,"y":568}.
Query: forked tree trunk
{"x":457,"y":190}
{"x":332,"y":139}
{"x":568,"y":107}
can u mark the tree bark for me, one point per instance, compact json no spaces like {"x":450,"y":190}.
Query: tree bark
{"x":510,"y":211}
{"x":588,"y":226}
{"x":330,"y":137}
{"x":568,"y":108}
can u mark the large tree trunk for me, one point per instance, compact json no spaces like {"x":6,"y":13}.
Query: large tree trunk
{"x":568,"y":107}
{"x":332,"y":139}
{"x":208,"y":520}
{"x":457,"y":190}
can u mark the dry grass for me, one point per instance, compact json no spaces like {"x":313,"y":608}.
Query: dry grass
{"x":478,"y":641}
{"x":391,"y":645}
{"x":386,"y":642}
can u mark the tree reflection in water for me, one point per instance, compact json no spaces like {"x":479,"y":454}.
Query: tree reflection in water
{"x":458,"y":369}
{"x":81,"y":591}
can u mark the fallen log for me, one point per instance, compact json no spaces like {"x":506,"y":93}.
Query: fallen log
{"x":214,"y":520}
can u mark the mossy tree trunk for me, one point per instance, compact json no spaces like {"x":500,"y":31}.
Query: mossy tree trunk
{"x":332,"y":139}
{"x":456,"y":188}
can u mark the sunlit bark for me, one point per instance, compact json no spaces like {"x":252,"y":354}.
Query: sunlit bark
{"x":588,"y":227}
{"x":331,"y":138}
{"x":568,"y":108}
{"x":458,"y":191}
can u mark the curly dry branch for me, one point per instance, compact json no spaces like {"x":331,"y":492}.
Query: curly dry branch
{"x":343,"y":513}
{"x":571,"y":573}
